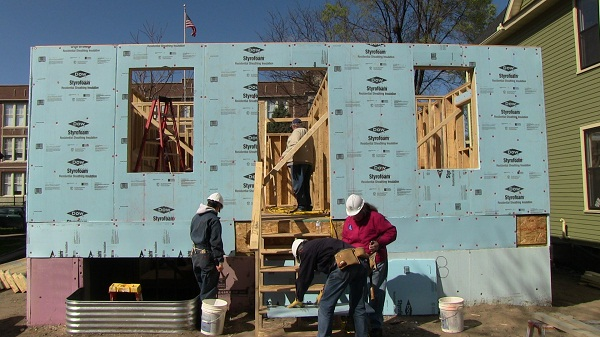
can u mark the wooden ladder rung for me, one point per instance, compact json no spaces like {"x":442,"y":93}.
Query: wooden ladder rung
{"x":279,"y":288}
{"x":278,"y":269}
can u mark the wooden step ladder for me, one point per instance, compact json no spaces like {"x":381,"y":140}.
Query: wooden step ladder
{"x":271,"y":240}
{"x":275,"y":264}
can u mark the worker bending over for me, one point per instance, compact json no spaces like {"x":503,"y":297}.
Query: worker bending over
{"x":320,"y":255}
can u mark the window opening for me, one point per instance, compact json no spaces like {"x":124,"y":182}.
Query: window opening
{"x":161,"y":120}
{"x":447,"y":124}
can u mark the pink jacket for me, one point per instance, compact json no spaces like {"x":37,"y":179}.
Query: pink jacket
{"x":377,"y":228}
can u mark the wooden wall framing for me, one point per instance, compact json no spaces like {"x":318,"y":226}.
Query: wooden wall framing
{"x":443,"y":123}
{"x":278,"y":192}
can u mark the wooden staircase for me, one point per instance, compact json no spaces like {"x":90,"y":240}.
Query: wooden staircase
{"x":276,"y":276}
{"x":272,"y":233}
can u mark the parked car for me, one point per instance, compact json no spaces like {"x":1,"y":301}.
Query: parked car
{"x":12,"y":217}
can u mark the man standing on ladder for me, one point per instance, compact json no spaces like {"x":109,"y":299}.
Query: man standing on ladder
{"x":207,"y":252}
{"x":301,"y":165}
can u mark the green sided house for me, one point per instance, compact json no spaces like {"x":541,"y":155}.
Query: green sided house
{"x":569,"y":36}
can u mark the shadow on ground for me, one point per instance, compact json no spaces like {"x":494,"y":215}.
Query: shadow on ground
{"x":567,"y":290}
{"x":12,"y":329}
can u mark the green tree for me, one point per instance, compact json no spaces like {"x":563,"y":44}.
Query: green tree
{"x":279,"y":127}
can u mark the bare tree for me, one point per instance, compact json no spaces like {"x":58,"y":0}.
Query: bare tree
{"x":149,"y":83}
{"x":387,"y":21}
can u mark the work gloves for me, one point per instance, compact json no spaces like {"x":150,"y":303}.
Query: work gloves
{"x":319,"y":297}
{"x":296,"y":304}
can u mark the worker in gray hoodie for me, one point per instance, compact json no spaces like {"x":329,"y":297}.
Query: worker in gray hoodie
{"x":207,"y":252}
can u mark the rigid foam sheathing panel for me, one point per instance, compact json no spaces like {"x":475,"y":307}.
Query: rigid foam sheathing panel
{"x":71,"y":147}
{"x":46,"y":294}
{"x":379,"y":161}
{"x":453,"y":233}
{"x":411,"y":288}
{"x":155,"y":197}
{"x":443,"y":55}
{"x":516,"y":276}
{"x":372,"y":140}
{"x":96,"y":239}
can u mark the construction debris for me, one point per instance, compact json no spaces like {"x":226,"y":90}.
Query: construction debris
{"x":13,"y":275}
{"x":591,"y":279}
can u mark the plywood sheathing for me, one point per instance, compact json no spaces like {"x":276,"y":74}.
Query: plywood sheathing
{"x":532,"y":230}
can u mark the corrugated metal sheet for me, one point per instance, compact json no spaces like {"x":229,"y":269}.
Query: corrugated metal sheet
{"x":129,"y":316}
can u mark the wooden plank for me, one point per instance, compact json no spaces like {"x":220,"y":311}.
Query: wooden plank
{"x":276,"y":288}
{"x":11,"y":282}
{"x":5,"y":284}
{"x":13,"y":264}
{"x":568,"y":326}
{"x":23,"y":281}
{"x":278,"y":269}
{"x":20,"y":281}
{"x":257,"y":203}
{"x":577,"y":323}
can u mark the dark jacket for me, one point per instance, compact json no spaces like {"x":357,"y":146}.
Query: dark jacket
{"x":316,"y":255}
{"x":205,"y":232}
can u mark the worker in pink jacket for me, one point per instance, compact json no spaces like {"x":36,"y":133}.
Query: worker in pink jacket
{"x":366,"y":227}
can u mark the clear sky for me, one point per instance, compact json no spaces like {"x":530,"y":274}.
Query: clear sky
{"x":27,"y":23}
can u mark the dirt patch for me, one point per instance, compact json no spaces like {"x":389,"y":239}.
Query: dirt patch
{"x":569,"y":297}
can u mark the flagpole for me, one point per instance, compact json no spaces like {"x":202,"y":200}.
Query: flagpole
{"x":184,"y":76}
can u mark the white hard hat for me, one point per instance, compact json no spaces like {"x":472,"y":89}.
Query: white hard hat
{"x":216,"y":197}
{"x":354,"y":204}
{"x":295,"y":246}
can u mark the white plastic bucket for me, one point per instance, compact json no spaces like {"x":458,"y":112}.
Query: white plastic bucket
{"x":451,"y":314}
{"x":213,"y":316}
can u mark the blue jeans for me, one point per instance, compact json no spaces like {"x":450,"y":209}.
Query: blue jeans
{"x":355,"y":277}
{"x":301,"y":174}
{"x":207,"y":277}
{"x":206,"y":274}
{"x":379,"y":281}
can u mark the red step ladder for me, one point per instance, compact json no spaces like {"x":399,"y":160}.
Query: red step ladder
{"x":161,"y":110}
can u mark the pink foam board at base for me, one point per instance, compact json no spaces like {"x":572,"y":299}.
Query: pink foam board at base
{"x":51,"y":281}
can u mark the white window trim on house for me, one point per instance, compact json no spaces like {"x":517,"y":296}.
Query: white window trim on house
{"x":584,"y":166}
{"x":15,"y":113}
{"x":8,"y":179}
{"x":10,"y":150}
{"x":577,"y":48}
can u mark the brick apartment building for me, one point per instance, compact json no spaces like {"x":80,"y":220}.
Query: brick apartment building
{"x":13,"y":134}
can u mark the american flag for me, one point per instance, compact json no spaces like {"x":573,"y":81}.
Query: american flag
{"x":190,"y":24}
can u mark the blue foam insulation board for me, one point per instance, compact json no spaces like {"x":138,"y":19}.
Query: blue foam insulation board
{"x":411,"y":288}
{"x":79,"y":180}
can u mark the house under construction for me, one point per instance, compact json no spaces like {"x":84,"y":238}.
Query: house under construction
{"x":119,"y":161}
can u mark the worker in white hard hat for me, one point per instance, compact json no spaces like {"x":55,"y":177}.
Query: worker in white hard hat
{"x":367,"y":228}
{"x":319,"y":255}
{"x":207,"y":251}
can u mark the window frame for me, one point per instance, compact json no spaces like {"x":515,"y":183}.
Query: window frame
{"x":585,"y":158}
{"x":12,"y":176}
{"x":577,"y":31}
{"x":15,"y":110}
{"x":11,"y":155}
